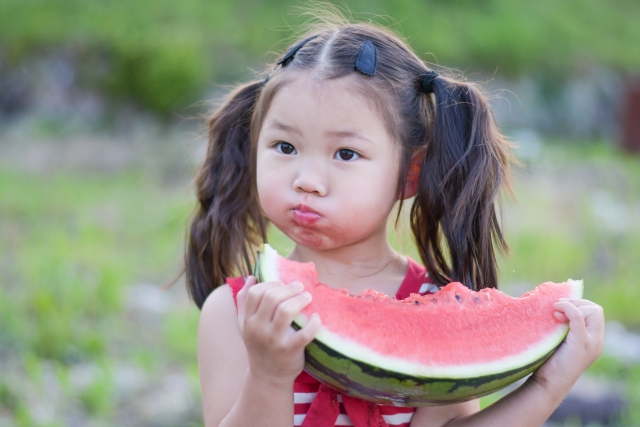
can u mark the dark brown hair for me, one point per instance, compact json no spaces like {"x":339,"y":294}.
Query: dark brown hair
{"x":465,"y":160}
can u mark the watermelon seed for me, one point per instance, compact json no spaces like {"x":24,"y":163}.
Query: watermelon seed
{"x":433,"y":299}
{"x":417,"y":302}
{"x":458,"y":298}
{"x":477,"y":299}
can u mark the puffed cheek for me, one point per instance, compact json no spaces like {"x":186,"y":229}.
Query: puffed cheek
{"x":363,"y":217}
{"x":268,"y":205}
{"x":270,"y":200}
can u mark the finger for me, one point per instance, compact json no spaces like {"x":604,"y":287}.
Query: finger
{"x":593,"y":318}
{"x":241,"y":298}
{"x":576,"y":320}
{"x":578,"y":302}
{"x":560,"y":316}
{"x":304,"y":336}
{"x":255,"y":295}
{"x":274,"y":296}
{"x":288,"y":309}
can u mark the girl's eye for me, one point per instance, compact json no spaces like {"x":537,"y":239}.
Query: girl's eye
{"x":346,"y":154}
{"x":285,"y":148}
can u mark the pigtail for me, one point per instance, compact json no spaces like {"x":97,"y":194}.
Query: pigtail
{"x":228,"y":220}
{"x":465,"y":164}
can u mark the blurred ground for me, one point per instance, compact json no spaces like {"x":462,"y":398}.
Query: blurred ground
{"x":92,"y":226}
{"x":97,"y":154}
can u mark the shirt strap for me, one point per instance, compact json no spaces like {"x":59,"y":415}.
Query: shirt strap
{"x":235,"y":283}
{"x":416,"y":281}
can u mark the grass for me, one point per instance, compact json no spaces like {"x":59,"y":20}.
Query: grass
{"x":575,"y":219}
{"x":162,"y":54}
{"x":72,"y":244}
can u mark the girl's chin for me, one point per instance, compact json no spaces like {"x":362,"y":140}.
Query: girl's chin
{"x":318,"y":240}
{"x":321,"y":235}
{"x":309,"y":237}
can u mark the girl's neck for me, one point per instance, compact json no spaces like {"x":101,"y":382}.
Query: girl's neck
{"x":356,"y":267}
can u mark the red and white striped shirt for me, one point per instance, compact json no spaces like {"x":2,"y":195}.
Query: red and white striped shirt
{"x":306,"y":389}
{"x":317,"y":405}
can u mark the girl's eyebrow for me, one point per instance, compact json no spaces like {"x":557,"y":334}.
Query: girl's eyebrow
{"x":336,"y":134}
{"x":347,"y":134}
{"x":281,"y":126}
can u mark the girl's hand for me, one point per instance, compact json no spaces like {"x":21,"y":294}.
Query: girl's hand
{"x":265,"y":313}
{"x":581,"y":348}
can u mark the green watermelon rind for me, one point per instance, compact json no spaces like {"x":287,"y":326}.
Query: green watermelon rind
{"x":365,"y":381}
{"x":358,"y":371}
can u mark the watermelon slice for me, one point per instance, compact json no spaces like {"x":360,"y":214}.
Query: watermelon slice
{"x":441,"y":348}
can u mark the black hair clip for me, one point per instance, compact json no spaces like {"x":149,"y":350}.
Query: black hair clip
{"x":367,"y":58}
{"x":427,"y":81}
{"x":288,"y":57}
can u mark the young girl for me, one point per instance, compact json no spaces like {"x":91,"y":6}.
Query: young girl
{"x":349,"y":123}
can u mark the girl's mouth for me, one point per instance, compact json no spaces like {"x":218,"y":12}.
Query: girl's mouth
{"x":304,"y":215}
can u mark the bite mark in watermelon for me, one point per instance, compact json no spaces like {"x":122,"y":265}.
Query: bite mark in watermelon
{"x":441,"y":348}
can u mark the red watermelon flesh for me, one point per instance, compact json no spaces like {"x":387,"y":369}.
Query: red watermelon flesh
{"x":444,"y":325}
{"x":454,"y":333}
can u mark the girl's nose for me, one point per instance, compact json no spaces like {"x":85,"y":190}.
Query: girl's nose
{"x":311,"y":179}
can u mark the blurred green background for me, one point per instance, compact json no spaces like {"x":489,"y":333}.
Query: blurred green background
{"x":100,"y":135}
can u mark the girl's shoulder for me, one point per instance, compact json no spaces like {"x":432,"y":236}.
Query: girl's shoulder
{"x":219,"y":301}
{"x":218,"y":324}
{"x":218,"y":308}
{"x":222,"y":355}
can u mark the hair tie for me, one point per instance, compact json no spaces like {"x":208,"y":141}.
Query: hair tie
{"x":367,"y":58}
{"x":288,"y":57}
{"x":427,"y":81}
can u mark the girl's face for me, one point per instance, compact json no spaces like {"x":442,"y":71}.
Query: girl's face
{"x":326,"y":166}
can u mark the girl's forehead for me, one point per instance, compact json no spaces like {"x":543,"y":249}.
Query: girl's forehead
{"x":313,"y":103}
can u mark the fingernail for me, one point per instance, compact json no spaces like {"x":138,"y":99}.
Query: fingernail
{"x":306,"y":295}
{"x":297,"y":285}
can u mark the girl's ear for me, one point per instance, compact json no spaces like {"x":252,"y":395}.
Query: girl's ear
{"x":413,"y":175}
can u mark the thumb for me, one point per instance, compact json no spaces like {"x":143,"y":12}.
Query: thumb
{"x":308,"y":332}
{"x":241,"y":298}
